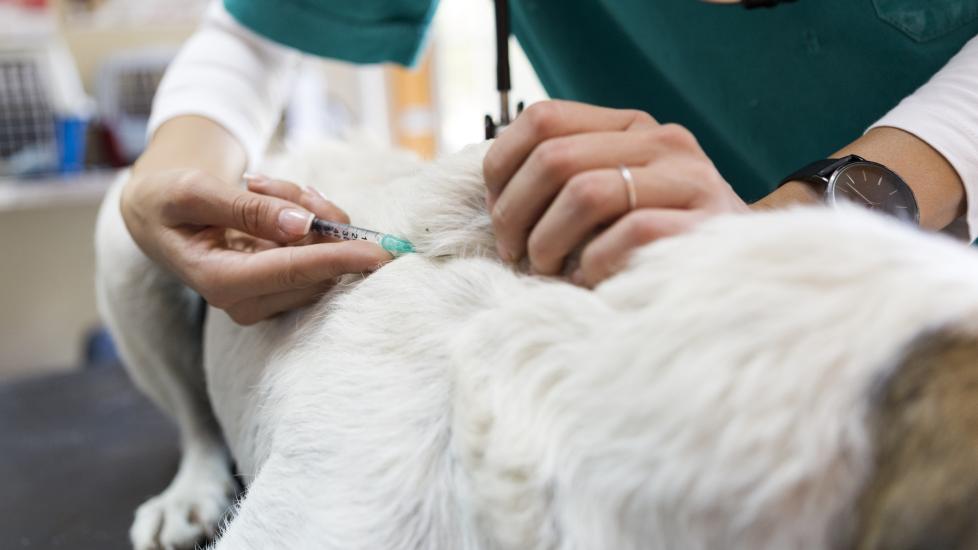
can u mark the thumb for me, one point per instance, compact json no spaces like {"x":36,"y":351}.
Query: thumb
{"x":219,"y":204}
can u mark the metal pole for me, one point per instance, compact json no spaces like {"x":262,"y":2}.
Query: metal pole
{"x":502,"y":59}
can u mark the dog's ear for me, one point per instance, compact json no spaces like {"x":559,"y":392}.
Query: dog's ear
{"x":923,"y":493}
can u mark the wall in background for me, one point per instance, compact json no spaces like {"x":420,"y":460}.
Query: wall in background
{"x":90,"y":46}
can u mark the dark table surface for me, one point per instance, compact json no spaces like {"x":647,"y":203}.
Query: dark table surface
{"x":78,"y":453}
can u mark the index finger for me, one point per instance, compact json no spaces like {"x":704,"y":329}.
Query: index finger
{"x":308,"y":197}
{"x":546,"y":120}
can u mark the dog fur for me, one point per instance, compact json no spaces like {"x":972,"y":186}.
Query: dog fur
{"x":743,"y":386}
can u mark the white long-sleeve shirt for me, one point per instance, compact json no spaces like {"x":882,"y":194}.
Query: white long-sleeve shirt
{"x":231,"y":75}
{"x":241,"y":80}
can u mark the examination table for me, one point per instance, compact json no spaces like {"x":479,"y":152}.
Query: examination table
{"x":78,"y":453}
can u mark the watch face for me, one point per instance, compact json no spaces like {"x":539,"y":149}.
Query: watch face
{"x":875,"y":187}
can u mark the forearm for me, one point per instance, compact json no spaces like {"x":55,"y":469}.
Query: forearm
{"x":935,"y":183}
{"x":193,"y":143}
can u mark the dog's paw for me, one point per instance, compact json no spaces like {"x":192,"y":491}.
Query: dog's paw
{"x":190,"y":511}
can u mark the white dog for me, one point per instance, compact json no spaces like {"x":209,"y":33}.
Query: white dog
{"x":802,"y":379}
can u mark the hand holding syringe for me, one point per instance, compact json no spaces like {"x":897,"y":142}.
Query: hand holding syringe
{"x":309,"y":198}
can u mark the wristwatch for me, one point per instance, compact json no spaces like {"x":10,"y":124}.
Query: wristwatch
{"x":858,"y":181}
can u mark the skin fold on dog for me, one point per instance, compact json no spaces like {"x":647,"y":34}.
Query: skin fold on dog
{"x":798,"y":379}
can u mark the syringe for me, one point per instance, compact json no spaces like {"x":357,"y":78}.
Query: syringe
{"x":395,"y":245}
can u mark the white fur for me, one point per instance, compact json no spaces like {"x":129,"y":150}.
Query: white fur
{"x":155,"y":321}
{"x":711,"y":396}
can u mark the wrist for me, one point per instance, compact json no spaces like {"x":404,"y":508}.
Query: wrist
{"x":792,"y":193}
{"x":936,"y":185}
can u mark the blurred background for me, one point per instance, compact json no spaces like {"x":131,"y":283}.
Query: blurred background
{"x":77,"y":79}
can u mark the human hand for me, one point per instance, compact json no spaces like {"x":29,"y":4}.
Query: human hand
{"x":554,"y":181}
{"x":227,"y":243}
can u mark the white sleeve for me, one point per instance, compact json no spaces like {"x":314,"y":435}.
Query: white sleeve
{"x":230,"y":75}
{"x":944,"y":113}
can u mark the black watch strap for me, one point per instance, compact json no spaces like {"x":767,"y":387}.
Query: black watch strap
{"x":820,"y":171}
{"x":751,"y":4}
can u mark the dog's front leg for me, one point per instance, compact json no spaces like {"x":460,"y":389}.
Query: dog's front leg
{"x":156,"y":322}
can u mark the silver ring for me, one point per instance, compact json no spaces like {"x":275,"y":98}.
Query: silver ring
{"x":626,"y":175}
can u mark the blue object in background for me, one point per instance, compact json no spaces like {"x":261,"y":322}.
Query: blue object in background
{"x":70,"y":134}
{"x":100,"y":349}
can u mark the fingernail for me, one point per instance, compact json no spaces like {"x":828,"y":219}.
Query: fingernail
{"x":577,"y":277}
{"x":295,"y":221}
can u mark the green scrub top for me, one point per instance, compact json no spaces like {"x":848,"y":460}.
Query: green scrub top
{"x":765,"y":91}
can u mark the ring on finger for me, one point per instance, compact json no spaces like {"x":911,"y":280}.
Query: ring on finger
{"x":626,"y":175}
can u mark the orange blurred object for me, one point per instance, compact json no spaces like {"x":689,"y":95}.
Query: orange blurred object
{"x":413,"y":117}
